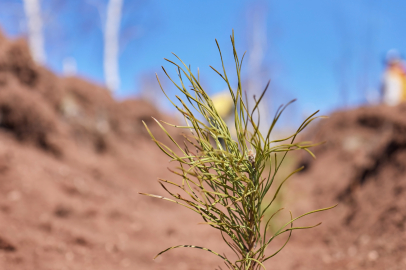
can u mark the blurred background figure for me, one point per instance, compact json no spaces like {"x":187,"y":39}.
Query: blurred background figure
{"x":394,"y":79}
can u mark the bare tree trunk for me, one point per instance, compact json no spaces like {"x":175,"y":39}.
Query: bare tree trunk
{"x":32,"y":10}
{"x":258,"y":46}
{"x":341,"y":68}
{"x":111,"y":46}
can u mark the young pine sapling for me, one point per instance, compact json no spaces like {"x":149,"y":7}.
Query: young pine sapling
{"x":225,"y":177}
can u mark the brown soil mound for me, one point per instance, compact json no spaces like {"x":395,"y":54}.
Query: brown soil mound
{"x":72,"y":161}
{"x":363,"y":168}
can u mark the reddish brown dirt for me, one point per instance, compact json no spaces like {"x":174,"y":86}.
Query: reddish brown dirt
{"x":363,"y":168}
{"x":72,"y":161}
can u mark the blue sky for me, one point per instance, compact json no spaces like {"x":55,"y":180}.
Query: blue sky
{"x":325,"y":53}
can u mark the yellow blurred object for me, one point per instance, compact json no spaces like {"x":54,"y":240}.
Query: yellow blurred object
{"x":403,"y":76}
{"x":400,"y":73}
{"x":223,"y":103}
{"x":394,"y":82}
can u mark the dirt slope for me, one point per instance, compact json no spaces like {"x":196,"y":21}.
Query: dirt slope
{"x":72,"y":161}
{"x":363,"y":168}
